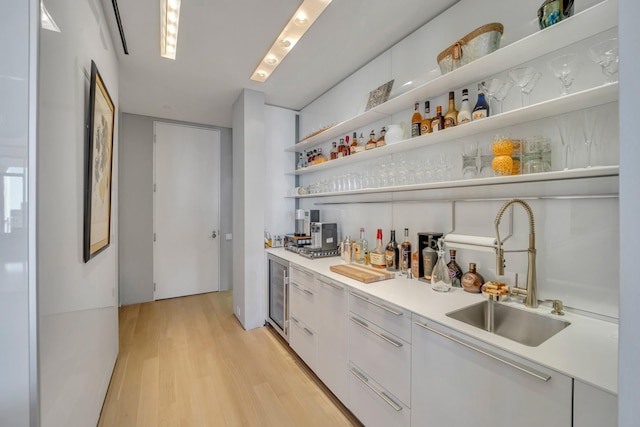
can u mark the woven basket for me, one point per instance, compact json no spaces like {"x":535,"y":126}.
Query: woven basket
{"x":474,"y":45}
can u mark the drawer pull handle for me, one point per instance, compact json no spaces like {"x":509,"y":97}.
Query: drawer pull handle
{"x":380,"y":394}
{"x":308,"y":331}
{"x":294,"y":319}
{"x":385,"y":308}
{"x":300,"y":288}
{"x":306,"y":273}
{"x":333,"y":285}
{"x":378,"y":334}
{"x":512,"y":363}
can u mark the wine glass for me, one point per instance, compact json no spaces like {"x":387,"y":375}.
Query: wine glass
{"x":496,"y":89}
{"x":526,"y":79}
{"x":605,"y":54}
{"x":567,"y":126}
{"x":589,"y":119}
{"x":566,"y":68}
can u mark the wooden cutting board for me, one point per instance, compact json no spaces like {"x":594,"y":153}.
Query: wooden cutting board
{"x":361,"y":272}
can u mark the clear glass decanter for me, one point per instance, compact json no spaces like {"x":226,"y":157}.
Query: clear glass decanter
{"x":440,"y":278}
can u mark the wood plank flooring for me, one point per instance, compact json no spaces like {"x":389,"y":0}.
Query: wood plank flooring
{"x":188,"y":362}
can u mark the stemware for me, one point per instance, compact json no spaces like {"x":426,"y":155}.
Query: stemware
{"x":566,"y":68}
{"x":526,"y":79}
{"x":567,"y":126}
{"x":589,"y":118}
{"x":496,"y":89}
{"x":605,"y":54}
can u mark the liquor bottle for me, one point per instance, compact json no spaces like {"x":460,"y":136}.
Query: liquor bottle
{"x":376,"y":256}
{"x":437,"y":123}
{"x":347,"y":146}
{"x":361,"y":247}
{"x":425,"y":124}
{"x":342,"y":149}
{"x":481,"y":110}
{"x":320,"y":158}
{"x":392,"y":253}
{"x":372,"y":141}
{"x":440,"y":278}
{"x":380,"y":142}
{"x":471,"y":281}
{"x":451,"y":117}
{"x":416,"y":119}
{"x":429,"y":258}
{"x":454,"y":269}
{"x":334,"y":150}
{"x":415,"y":263}
{"x":354,"y":142}
{"x":464,"y":115}
{"x":300,"y":164}
{"x":405,"y":253}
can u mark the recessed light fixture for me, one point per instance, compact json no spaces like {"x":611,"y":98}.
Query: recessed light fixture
{"x":169,"y":18}
{"x":299,"y":23}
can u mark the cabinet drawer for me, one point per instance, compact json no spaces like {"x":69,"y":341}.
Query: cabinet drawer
{"x":303,"y":304}
{"x":387,"y":316}
{"x":381,"y":355}
{"x":303,"y":341}
{"x":302,"y":276}
{"x":372,"y":404}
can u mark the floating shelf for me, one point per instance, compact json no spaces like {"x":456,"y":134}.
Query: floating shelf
{"x":580,"y":100}
{"x":587,"y":23}
{"x":580,"y":173}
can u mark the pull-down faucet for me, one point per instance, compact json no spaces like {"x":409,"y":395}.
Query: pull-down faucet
{"x":530,"y":293}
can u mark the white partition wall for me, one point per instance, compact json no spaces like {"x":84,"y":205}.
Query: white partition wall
{"x":77,"y":301}
{"x":18,"y":322}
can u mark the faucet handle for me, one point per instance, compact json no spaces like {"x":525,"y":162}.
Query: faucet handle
{"x":557,"y":307}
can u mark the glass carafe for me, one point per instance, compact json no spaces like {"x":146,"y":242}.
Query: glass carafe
{"x":440,"y":278}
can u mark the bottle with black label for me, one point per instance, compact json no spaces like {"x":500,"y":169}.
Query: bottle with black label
{"x":416,"y":119}
{"x":481,"y":110}
{"x":405,"y":253}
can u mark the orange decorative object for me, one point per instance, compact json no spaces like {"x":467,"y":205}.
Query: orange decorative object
{"x":502,"y":147}
{"x":502,"y":165}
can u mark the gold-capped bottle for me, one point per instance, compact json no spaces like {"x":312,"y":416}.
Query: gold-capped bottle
{"x":437,"y":123}
{"x":451,"y":116}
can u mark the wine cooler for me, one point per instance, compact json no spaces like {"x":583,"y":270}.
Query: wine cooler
{"x":278,"y":276}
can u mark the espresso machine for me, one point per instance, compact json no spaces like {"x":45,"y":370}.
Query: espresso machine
{"x":304,"y":219}
{"x":324,"y":241}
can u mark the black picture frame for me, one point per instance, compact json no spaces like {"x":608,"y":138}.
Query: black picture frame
{"x":98,"y":167}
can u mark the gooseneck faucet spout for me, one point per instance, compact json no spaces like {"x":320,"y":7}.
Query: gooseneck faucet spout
{"x":530,"y":293}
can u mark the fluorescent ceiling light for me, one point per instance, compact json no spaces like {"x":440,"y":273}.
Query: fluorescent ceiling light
{"x":46,"y":21}
{"x":299,"y":23}
{"x":169,"y":18}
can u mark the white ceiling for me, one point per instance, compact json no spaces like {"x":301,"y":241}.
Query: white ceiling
{"x":220,"y":42}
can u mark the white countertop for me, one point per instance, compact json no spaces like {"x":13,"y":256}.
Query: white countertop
{"x":586,"y":350}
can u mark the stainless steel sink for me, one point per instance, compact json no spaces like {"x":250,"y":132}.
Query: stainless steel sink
{"x":518,"y":325}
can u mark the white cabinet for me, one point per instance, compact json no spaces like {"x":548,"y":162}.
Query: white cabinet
{"x":303,"y":314}
{"x":333,"y":337}
{"x":380,"y":361}
{"x":593,"y":407}
{"x":460,"y":381}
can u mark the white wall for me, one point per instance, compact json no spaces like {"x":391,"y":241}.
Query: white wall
{"x":17,"y":283}
{"x":566,"y":230}
{"x":279,"y":129}
{"x":629,"y":370}
{"x":77,"y":301}
{"x":248,"y":208}
{"x":136,"y":207}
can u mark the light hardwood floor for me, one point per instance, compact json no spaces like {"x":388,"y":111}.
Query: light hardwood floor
{"x":188,"y":362}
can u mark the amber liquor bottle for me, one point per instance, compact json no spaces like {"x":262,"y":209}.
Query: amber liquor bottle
{"x":425,"y":124}
{"x":454,"y":269}
{"x":405,"y":253}
{"x":437,"y":123}
{"x":377,"y":254}
{"x":392,"y":253}
{"x":416,"y":119}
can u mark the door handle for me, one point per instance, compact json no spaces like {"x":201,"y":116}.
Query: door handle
{"x":214,"y":234}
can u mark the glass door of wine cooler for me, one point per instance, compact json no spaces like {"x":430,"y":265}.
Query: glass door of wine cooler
{"x":279,"y":295}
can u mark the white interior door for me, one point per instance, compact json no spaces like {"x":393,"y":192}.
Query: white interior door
{"x":186,"y":210}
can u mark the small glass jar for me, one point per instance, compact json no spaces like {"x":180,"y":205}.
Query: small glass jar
{"x":502,"y":163}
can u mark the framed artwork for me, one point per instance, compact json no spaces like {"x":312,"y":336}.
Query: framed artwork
{"x":98,"y":168}
{"x":379,"y":95}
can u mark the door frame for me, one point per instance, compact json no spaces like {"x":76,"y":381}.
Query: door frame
{"x":217,"y":225}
